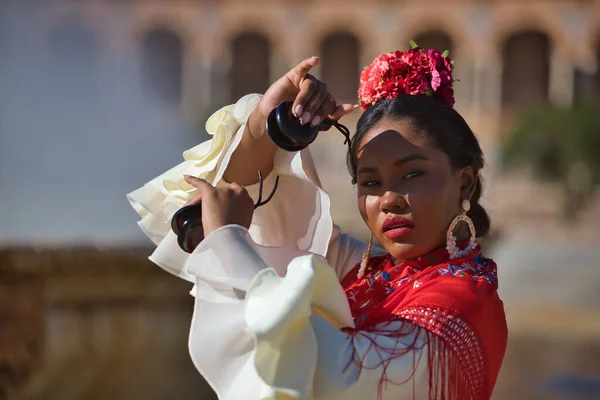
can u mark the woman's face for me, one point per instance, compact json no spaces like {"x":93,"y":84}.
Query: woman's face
{"x":408,"y":192}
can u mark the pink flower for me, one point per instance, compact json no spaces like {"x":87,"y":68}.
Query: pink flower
{"x":416,"y":84}
{"x":436,"y":80}
{"x":413,"y":72}
{"x":438,"y":61}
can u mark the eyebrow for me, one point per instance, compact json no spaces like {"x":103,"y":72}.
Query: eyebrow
{"x":403,"y":160}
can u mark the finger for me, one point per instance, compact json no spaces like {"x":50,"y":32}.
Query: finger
{"x":307,"y":90}
{"x":314,"y":103}
{"x":195,"y":199}
{"x":299,"y":72}
{"x":199,"y":183}
{"x":323,"y":112}
{"x":237,"y":188}
{"x":341,"y":110}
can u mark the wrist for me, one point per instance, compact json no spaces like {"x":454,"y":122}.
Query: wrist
{"x":225,"y":226}
{"x":257,"y":125}
{"x":257,"y":129}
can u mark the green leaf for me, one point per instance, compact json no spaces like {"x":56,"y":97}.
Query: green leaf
{"x":550,"y":141}
{"x":446,"y":53}
{"x":413,"y":44}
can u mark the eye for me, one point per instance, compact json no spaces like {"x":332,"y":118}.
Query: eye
{"x":369,"y":183}
{"x":412,"y":174}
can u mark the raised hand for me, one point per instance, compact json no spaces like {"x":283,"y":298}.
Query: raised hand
{"x":312,"y":100}
{"x":312,"y":103}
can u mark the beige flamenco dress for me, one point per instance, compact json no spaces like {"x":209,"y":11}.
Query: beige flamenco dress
{"x":269,"y":310}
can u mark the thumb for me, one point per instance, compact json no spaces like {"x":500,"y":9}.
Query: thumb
{"x":299,"y":72}
{"x":341,"y":110}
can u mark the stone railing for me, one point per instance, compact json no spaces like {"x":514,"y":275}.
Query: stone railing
{"x":87,"y":323}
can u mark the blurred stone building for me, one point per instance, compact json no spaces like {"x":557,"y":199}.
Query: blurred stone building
{"x":201,"y":54}
{"x":82,"y":320}
{"x":195,"y":56}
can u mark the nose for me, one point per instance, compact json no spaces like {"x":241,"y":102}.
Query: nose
{"x":393,"y":203}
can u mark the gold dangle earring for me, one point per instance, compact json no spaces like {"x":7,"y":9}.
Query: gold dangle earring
{"x":365,"y":259}
{"x":451,"y":247}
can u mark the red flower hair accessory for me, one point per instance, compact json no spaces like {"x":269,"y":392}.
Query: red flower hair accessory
{"x":416,"y":71}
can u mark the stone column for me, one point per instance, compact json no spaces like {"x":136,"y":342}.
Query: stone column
{"x":562,"y":61}
{"x":483,"y":69}
{"x":561,"y":80}
{"x":196,"y":86}
{"x":484,"y":94}
{"x":297,"y":43}
{"x":205,"y":67}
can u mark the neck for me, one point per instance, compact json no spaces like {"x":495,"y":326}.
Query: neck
{"x":401,"y":260}
{"x":460,"y":243}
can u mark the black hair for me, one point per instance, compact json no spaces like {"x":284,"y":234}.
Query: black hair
{"x":444,"y":126}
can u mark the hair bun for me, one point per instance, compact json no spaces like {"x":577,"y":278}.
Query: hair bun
{"x":415,"y":72}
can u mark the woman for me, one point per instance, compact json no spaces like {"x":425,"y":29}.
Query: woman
{"x":420,"y":318}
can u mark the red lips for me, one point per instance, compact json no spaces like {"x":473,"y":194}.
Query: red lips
{"x":397,"y":227}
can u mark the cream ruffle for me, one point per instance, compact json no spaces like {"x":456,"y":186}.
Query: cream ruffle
{"x":278,"y":311}
{"x":297,"y":217}
{"x":159,"y":199}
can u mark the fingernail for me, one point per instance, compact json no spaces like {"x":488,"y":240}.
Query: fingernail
{"x":315,"y":57}
{"x":305,"y":118}
{"x":356,"y":106}
{"x":315,"y":121}
{"x":187,"y":176}
{"x":298,"y":110}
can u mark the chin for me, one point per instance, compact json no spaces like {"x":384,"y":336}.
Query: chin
{"x":403,"y":250}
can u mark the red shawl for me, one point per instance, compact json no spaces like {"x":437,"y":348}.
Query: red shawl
{"x":455,"y":303}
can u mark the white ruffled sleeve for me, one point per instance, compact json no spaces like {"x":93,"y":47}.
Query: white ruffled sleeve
{"x":298,"y":216}
{"x":267,"y":325}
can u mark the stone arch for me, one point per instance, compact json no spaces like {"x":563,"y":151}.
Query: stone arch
{"x":526,"y":69}
{"x":250,"y":64}
{"x":340,"y":65}
{"x":162,"y":65}
{"x":437,"y":31}
{"x":507,"y":24}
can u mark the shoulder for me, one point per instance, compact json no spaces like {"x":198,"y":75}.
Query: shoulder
{"x":467,"y":289}
{"x":478,"y":270}
{"x":375,"y":263}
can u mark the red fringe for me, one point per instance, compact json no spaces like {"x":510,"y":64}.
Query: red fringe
{"x":455,"y":362}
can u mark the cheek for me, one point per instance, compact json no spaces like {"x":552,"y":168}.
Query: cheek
{"x":368,"y":206}
{"x":435,"y":199}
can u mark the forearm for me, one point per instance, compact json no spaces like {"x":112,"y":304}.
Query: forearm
{"x":255,"y":152}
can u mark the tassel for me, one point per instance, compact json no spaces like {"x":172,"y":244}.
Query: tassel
{"x":455,"y":371}
{"x":365,"y":259}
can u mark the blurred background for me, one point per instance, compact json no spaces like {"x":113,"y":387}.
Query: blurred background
{"x":98,"y":97}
